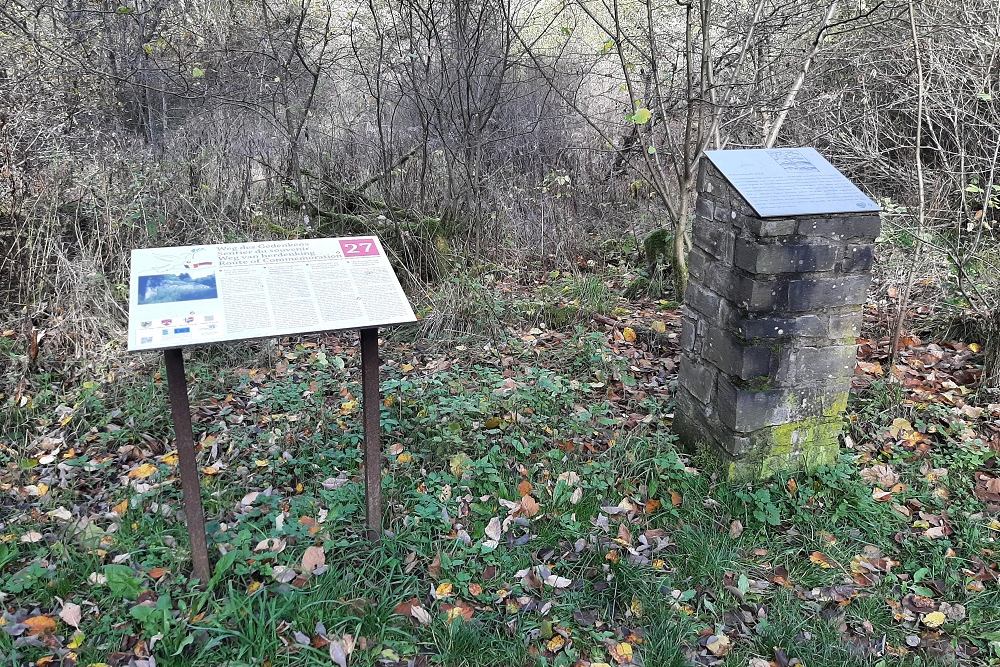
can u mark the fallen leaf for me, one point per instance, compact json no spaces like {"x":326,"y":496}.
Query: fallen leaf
{"x":314,"y":559}
{"x":628,"y":333}
{"x":821,"y":559}
{"x":38,"y":625}
{"x":71,"y":614}
{"x":529,"y":506}
{"x":934,"y":619}
{"x":524,"y":488}
{"x":420,"y":614}
{"x":622,"y":653}
{"x":142,"y":472}
{"x":443,"y":590}
{"x":719,"y":645}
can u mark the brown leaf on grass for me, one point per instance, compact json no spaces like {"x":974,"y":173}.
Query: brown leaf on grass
{"x":314,"y":559}
{"x":458,"y":610}
{"x":40,"y":625}
{"x":524,"y":488}
{"x":529,"y":506}
{"x":675,"y":498}
{"x":735,"y":529}
{"x":434,"y":569}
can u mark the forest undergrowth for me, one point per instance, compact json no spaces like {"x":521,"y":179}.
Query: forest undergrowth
{"x":538,"y":509}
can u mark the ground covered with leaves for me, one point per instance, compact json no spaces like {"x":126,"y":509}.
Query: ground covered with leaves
{"x":538,"y":511}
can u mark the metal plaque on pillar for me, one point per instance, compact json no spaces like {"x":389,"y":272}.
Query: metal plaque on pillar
{"x":194,"y":295}
{"x":779,"y":182}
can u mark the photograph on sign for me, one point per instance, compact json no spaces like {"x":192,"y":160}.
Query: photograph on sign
{"x":790,"y":181}
{"x":189,"y":295}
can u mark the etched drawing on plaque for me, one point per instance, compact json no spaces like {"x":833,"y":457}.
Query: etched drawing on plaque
{"x":779,"y":182}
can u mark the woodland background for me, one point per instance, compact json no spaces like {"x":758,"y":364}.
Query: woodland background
{"x":474,"y":131}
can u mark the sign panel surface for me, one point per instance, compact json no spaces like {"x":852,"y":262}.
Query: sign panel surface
{"x":189,"y":295}
{"x":790,"y":181}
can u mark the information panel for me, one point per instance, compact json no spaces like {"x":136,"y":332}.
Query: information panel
{"x":789,"y":181}
{"x":188,"y":295}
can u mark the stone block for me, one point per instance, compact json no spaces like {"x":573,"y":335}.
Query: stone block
{"x":697,"y":377}
{"x":747,"y":410}
{"x":842,"y":226}
{"x":697,"y":260}
{"x":857,"y":258}
{"x":752,"y":293}
{"x":806,"y":325}
{"x":772,"y":227}
{"x":714,"y":238}
{"x":688,"y":329}
{"x":832,"y":365}
{"x":846,"y":324}
{"x":702,"y":300}
{"x":828,"y":291}
{"x":737,"y":358}
{"x":785,"y":257}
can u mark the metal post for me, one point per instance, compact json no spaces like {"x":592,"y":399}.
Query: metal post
{"x":180,"y":409}
{"x":371,"y":401}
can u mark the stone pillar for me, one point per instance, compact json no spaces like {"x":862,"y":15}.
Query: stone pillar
{"x":770,"y":320}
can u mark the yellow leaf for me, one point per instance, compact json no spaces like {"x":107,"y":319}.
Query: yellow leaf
{"x":261,"y":463}
{"x":406,"y":368}
{"x":43,"y":488}
{"x":170,"y":459}
{"x":628,"y":333}
{"x":443,"y":590}
{"x":254,"y":587}
{"x":821,"y":559}
{"x":143,"y":471}
{"x":659,"y":564}
{"x":76,"y":641}
{"x":900,"y":425}
{"x":210,"y":470}
{"x":556,"y":643}
{"x":120,"y":508}
{"x":934,"y":619}
{"x":622,"y":653}
{"x":405,"y":457}
{"x":658,"y":326}
{"x":975,"y":347}
{"x":636,"y":607}
{"x":347,"y":407}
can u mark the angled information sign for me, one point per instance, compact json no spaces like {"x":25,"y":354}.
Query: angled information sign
{"x":191,"y":295}
{"x":780,"y":182}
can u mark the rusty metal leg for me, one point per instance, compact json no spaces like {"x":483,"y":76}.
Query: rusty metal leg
{"x":371,"y":401}
{"x":190,"y":483}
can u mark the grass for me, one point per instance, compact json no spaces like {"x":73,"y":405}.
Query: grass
{"x":647,"y":547}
